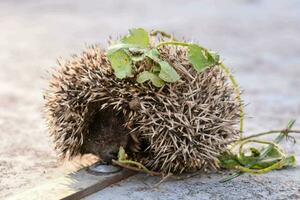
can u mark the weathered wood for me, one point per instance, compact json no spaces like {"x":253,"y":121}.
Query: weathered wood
{"x":73,"y":186}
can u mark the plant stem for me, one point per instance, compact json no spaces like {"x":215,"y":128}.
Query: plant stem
{"x":125,"y":163}
{"x":262,"y":134}
{"x":268,"y":133}
{"x":255,"y":141}
{"x":173,"y":43}
{"x":238,"y":96}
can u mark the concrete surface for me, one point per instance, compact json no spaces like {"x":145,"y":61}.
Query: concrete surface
{"x":259,"y":39}
{"x":207,"y":187}
{"x":72,"y":186}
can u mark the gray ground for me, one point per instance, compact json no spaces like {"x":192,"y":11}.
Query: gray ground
{"x":258,"y":39}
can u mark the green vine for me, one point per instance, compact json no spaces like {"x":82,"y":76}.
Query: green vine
{"x":261,"y":160}
{"x":184,"y":44}
{"x":238,"y":95}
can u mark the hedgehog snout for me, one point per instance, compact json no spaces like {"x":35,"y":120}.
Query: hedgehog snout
{"x":109,"y":156}
{"x":111,"y":153}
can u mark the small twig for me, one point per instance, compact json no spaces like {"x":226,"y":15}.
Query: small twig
{"x":151,"y":173}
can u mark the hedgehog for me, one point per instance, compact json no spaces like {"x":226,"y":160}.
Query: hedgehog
{"x":180,"y":127}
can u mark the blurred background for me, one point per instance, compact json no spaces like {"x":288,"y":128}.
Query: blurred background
{"x":258,"y":39}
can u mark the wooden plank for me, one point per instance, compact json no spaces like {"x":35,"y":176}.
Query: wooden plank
{"x":73,"y":186}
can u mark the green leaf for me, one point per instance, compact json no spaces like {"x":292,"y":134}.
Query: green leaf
{"x":121,"y":154}
{"x":121,"y":63}
{"x":138,"y":37}
{"x":245,"y":160}
{"x":201,"y":58}
{"x":274,"y":153}
{"x":146,"y":76}
{"x":228,"y":160}
{"x":167,"y":73}
{"x":137,"y":41}
{"x":154,"y":55}
{"x":265,"y":163}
